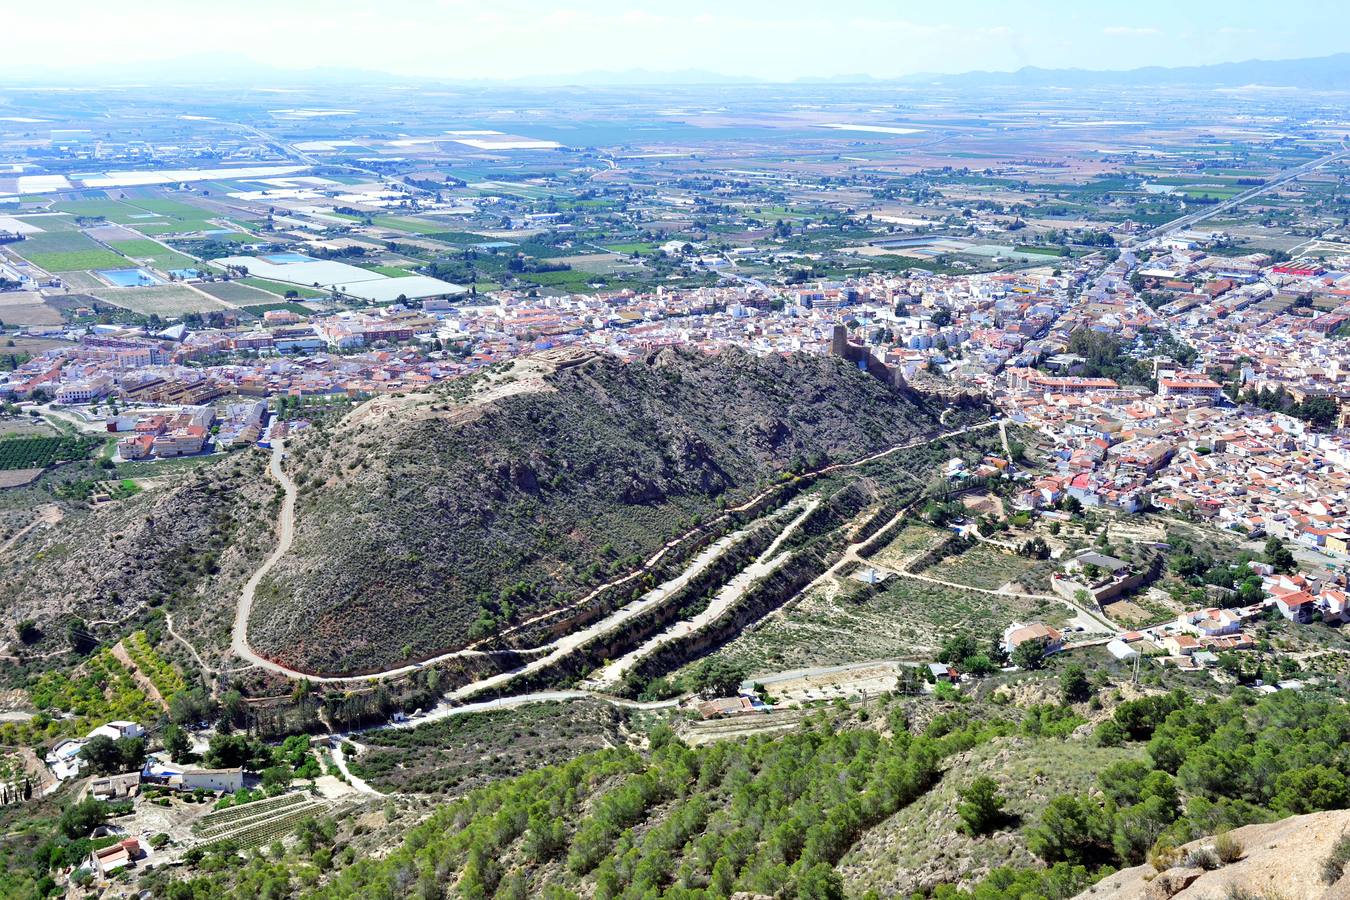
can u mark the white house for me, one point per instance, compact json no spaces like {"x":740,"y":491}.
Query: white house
{"x":222,"y":780}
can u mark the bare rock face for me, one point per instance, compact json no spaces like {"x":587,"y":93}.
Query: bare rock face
{"x":1281,"y":859}
{"x":1172,"y":882}
{"x":1338,"y":891}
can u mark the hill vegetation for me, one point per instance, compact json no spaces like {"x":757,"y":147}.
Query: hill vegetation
{"x":429,"y":522}
{"x":816,"y":813}
{"x":176,"y":547}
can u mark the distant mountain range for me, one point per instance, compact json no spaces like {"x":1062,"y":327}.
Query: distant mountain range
{"x":1316,"y":73}
{"x":1331,"y":73}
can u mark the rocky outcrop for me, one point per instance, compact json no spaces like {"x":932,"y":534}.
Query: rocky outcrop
{"x":1279,"y":860}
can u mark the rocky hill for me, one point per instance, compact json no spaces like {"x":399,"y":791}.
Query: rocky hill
{"x":427,"y":521}
{"x":1282,"y":859}
{"x":183,"y":543}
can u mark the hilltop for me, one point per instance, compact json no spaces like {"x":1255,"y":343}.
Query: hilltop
{"x":429,"y":521}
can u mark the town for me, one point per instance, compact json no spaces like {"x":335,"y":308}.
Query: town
{"x":952,"y":475}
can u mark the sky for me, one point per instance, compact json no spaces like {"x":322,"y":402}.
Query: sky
{"x":781,"y":40}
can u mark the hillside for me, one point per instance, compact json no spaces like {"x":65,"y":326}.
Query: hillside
{"x":426,"y":522}
{"x":1281,"y":859}
{"x":183,"y":544}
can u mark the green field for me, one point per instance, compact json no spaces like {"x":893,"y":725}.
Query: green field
{"x":279,"y":288}
{"x":51,"y":223}
{"x":34,"y":452}
{"x":67,"y":251}
{"x":55,"y":242}
{"x":112,"y":210}
{"x":237,"y":294}
{"x":258,"y":309}
{"x":391,"y":271}
{"x":160,"y":256}
{"x":411,"y":226}
{"x":634,"y":247}
{"x":568,"y":279}
{"x":78,"y":260}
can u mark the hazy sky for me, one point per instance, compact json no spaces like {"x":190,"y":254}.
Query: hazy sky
{"x":782,"y":39}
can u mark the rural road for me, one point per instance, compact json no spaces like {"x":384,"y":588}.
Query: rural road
{"x":1210,"y":211}
{"x":285,"y":535}
{"x":1083,"y":617}
{"x":446,"y":710}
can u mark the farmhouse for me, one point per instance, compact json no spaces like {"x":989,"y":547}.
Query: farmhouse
{"x":118,"y":856}
{"x":1018,"y":633}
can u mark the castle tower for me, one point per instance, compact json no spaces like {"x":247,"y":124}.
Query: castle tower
{"x":839,"y":343}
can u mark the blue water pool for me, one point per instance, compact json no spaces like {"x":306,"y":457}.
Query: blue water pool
{"x":283,"y":258}
{"x":130,"y":277}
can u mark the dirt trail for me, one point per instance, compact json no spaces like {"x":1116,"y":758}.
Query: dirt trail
{"x":120,"y":652}
{"x":727,"y":596}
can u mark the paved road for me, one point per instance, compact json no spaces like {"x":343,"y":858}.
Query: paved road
{"x":1237,"y":200}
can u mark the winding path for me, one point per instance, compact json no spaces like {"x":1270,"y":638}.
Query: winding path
{"x":285,"y":535}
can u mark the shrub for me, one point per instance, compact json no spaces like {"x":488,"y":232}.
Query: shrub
{"x":1163,"y":856}
{"x":1203,"y":858}
{"x":1333,"y":867}
{"x":1228,"y":848}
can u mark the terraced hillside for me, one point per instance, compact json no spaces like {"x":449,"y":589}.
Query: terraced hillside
{"x":430,"y":521}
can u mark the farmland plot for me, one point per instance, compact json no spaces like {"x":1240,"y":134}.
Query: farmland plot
{"x":982,"y":566}
{"x":902,"y":618}
{"x":164,"y":300}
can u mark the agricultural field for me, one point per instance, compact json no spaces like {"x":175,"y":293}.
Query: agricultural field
{"x":102,"y":690}
{"x":391,"y":271}
{"x":257,"y":309}
{"x":457,"y":754}
{"x":280,"y":288}
{"x":411,"y":226}
{"x":257,"y":824}
{"x":165,"y":677}
{"x":156,"y":253}
{"x":66,"y":251}
{"x":163,"y":300}
{"x":114,"y":211}
{"x":48,"y":222}
{"x":85,"y":281}
{"x":913,"y":540}
{"x":901,"y":618}
{"x":982,"y":566}
{"x":237,"y":294}
{"x":25,"y":308}
{"x":35,"y":452}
